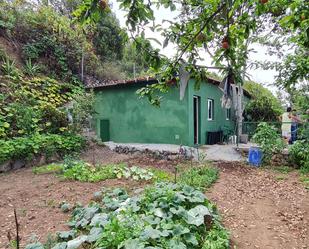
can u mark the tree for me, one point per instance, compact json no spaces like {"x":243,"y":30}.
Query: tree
{"x":264,"y":106}
{"x":222,"y":28}
{"x":108,"y":38}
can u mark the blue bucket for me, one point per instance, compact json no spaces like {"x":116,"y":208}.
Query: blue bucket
{"x":255,"y":156}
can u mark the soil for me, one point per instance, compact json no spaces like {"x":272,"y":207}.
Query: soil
{"x":260,"y":209}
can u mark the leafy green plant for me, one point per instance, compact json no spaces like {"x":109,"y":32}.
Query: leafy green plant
{"x":201,"y":177}
{"x":299,"y":155}
{"x":161,"y":175}
{"x":134,"y":172}
{"x":37,"y":144}
{"x":46,"y":169}
{"x":8,"y":68}
{"x":268,"y":138}
{"x":30,"y":68}
{"x":163,"y":216}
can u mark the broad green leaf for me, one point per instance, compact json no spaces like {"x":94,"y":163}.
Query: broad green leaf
{"x":76,"y":243}
{"x":36,"y":245}
{"x":196,"y":215}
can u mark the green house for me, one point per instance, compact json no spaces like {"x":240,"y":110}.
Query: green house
{"x":123,"y":117}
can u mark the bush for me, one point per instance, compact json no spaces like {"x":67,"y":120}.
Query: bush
{"x":270,"y":141}
{"x":164,"y":216}
{"x":299,"y":155}
{"x":50,"y":144}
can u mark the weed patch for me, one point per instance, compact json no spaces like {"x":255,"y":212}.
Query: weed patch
{"x":201,"y":177}
{"x":79,"y":170}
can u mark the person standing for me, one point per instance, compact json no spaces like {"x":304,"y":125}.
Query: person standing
{"x":294,"y":126}
{"x":286,"y":120}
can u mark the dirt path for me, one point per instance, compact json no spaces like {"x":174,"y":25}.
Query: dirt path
{"x":260,"y":210}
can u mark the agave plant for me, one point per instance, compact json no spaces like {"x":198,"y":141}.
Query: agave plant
{"x":8,"y":67}
{"x":31,"y":69}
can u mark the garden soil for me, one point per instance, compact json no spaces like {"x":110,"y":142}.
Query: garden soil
{"x":260,"y":210}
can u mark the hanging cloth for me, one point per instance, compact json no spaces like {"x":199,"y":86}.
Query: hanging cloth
{"x":184,"y":77}
{"x":226,"y":100}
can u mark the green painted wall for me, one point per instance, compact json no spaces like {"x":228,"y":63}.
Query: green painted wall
{"x":134,"y":120}
{"x":219,"y":123}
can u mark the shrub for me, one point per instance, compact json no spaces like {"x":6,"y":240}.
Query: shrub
{"x":299,"y":155}
{"x":164,"y":216}
{"x":50,"y":144}
{"x":268,"y":138}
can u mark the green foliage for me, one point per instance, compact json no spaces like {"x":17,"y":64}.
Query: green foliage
{"x":283,"y":169}
{"x":80,"y":170}
{"x":8,"y":68}
{"x":164,"y":216}
{"x":161,"y":175}
{"x":270,"y":141}
{"x":225,"y":30}
{"x":82,"y":110}
{"x":50,"y":144}
{"x":31,"y":69}
{"x":46,"y":169}
{"x":294,"y":67}
{"x":136,"y":173}
{"x":36,"y":105}
{"x":109,"y":39}
{"x":299,"y":155}
{"x":264,"y":106}
{"x":84,"y":172}
{"x":305,"y":180}
{"x":201,"y":177}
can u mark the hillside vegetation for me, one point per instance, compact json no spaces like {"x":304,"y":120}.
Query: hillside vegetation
{"x":44,"y":54}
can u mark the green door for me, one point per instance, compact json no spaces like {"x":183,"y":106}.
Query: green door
{"x":104,"y":130}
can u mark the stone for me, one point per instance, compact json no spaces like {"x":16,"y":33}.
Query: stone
{"x":6,"y":166}
{"x":18,"y":164}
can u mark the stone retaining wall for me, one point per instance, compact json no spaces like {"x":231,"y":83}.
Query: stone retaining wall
{"x":158,"y":154}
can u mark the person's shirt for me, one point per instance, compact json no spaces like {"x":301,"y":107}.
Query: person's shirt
{"x":286,"y":121}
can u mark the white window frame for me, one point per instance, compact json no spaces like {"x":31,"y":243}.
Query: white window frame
{"x":210,"y":104}
{"x":228,"y":114}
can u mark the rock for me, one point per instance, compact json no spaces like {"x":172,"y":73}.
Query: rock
{"x":52,"y":159}
{"x":5,"y":167}
{"x":18,"y":164}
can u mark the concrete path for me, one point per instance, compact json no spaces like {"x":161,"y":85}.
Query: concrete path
{"x":225,"y":152}
{"x":206,"y":152}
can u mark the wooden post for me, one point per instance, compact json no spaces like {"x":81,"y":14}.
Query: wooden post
{"x":239,"y":112}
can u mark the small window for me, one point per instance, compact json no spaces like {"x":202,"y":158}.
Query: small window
{"x":228,"y":114}
{"x":210,"y":109}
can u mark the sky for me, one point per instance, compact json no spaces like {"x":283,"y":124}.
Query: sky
{"x":265,"y":77}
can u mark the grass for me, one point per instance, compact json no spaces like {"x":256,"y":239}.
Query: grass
{"x":161,"y":175}
{"x":46,"y":169}
{"x":283,"y":169}
{"x":281,"y":177}
{"x":201,"y":177}
{"x":305,"y":180}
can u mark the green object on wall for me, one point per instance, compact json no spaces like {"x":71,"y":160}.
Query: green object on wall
{"x":104,"y":130}
{"x":134,"y":120}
